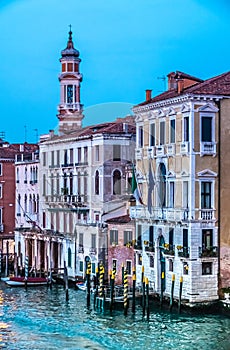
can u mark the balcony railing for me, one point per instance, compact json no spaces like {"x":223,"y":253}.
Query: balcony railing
{"x":80,"y":249}
{"x":184,"y":252}
{"x":151,"y":152}
{"x":208,"y":252}
{"x":207,"y":148}
{"x":207,"y":214}
{"x":160,"y":151}
{"x":139,"y":153}
{"x":169,"y":249}
{"x":93,"y":251}
{"x":184,"y":147}
{"x":170,"y":149}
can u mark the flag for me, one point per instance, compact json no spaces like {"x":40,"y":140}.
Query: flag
{"x":135,"y":190}
{"x":150,"y":188}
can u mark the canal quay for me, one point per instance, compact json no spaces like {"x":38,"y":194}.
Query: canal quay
{"x":41,"y":318}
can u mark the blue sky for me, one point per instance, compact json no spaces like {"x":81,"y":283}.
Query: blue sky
{"x":125,"y":47}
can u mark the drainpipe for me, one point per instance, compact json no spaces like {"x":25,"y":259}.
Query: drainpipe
{"x":219,"y":188}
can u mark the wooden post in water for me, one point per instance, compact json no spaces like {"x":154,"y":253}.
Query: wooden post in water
{"x":172,"y":291}
{"x":134,"y":290}
{"x":142,"y":279}
{"x":66,"y":282}
{"x":96,"y":287}
{"x":101,"y":280}
{"x":122,"y":273}
{"x":143,"y":296}
{"x":180,"y":293}
{"x":147,"y":296}
{"x":111,"y":291}
{"x":162,"y":282}
{"x":0,"y":265}
{"x":50,"y":276}
{"x":88,"y":286}
{"x":26,"y":270}
{"x":125,"y":292}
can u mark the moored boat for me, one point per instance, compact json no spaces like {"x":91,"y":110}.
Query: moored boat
{"x":21,"y":281}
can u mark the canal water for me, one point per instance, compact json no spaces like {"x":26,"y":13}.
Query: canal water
{"x":40,"y":318}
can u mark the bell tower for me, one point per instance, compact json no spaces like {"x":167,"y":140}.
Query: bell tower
{"x":70,"y":109}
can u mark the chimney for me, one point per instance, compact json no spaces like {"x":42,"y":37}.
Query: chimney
{"x":148,"y":95}
{"x":180,"y":85}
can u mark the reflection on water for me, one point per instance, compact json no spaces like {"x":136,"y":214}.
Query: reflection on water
{"x":40,"y":318}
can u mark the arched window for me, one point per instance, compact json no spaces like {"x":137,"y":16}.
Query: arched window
{"x":30,"y":204}
{"x":17,"y":175}
{"x":117,"y":182}
{"x":162,"y":185}
{"x":70,"y":183}
{"x":25,"y":178}
{"x":97,"y":183}
{"x":69,"y":257}
{"x":19,"y":205}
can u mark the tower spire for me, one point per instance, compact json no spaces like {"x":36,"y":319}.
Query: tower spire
{"x":70,"y":109}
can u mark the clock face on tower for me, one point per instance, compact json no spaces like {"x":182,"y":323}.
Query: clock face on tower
{"x":70,"y":94}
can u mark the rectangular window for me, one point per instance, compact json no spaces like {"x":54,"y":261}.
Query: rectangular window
{"x":139,"y":235}
{"x":162,"y":133}
{"x":52,"y":158}
{"x":171,"y":238}
{"x":0,"y":215}
{"x":152,"y":141}
{"x":151,"y":261}
{"x":151,"y":236}
{"x":0,"y":191}
{"x":186,"y":129}
{"x":81,"y":236}
{"x":58,"y":158}
{"x":116,"y":152}
{"x":128,"y":237}
{"x":97,"y":154}
{"x":93,"y":241}
{"x":81,"y":266}
{"x":171,"y":194}
{"x":206,"y":129}
{"x":85,"y":154}
{"x":129,"y":267}
{"x":0,"y":169}
{"x":44,"y":158}
{"x":207,"y":239}
{"x":140,"y":136}
{"x":185,"y":238}
{"x":79,"y":154}
{"x":172,"y":130}
{"x":113,"y":237}
{"x":171,"y":265}
{"x":206,"y":199}
{"x":206,"y":268}
{"x":71,"y":155}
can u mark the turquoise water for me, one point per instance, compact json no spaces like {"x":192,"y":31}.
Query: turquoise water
{"x":40,"y":318}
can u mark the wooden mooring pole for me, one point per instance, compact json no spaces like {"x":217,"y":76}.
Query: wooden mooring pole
{"x":180,"y":294}
{"x":66,"y":282}
{"x":134,"y":289}
{"x":172,"y":292}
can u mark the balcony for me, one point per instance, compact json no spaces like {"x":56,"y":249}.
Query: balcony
{"x":208,"y":252}
{"x":207,"y":148}
{"x":160,"y":151}
{"x":81,"y":249}
{"x":149,"y":247}
{"x":151,"y":152}
{"x":139,"y":153}
{"x":170,"y":149}
{"x":207,"y":214}
{"x":169,"y":249}
{"x":184,"y":147}
{"x":81,"y":164}
{"x":93,"y":251}
{"x":139,"y":212}
{"x":183,"y":252}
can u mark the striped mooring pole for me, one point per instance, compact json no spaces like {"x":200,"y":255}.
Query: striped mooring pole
{"x":88,"y":285}
{"x":134,"y":289}
{"x":125,"y":292}
{"x":101,"y":280}
{"x":26,"y":270}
